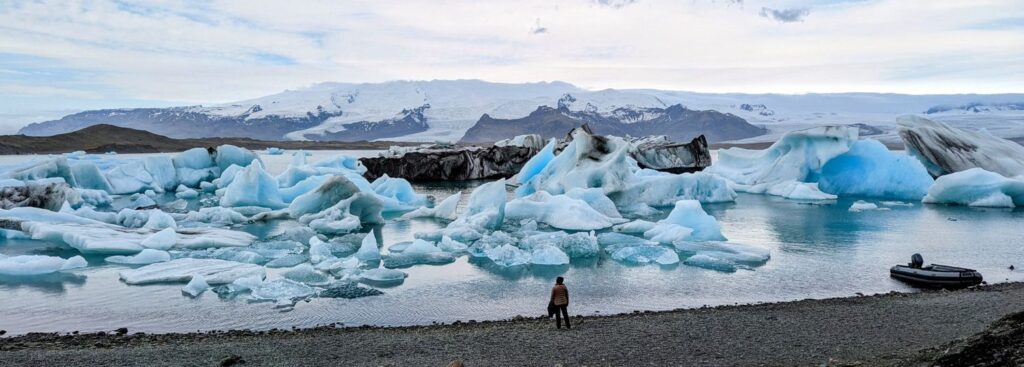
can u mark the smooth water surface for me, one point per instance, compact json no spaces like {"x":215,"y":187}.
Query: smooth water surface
{"x":817,"y":251}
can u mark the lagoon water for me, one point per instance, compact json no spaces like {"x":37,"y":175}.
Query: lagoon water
{"x":817,"y":251}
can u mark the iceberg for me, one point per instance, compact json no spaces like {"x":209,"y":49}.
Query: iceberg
{"x":306,"y":274}
{"x":559,"y":211}
{"x":228,"y":155}
{"x":484,"y":212}
{"x":162,"y":240}
{"x":977,"y":187}
{"x":368,"y":250}
{"x":37,"y":194}
{"x":252,"y":186}
{"x":383,"y":275}
{"x":144,"y":257}
{"x":161,"y":168}
{"x":944,"y":149}
{"x":798,"y":155}
{"x":27,"y":265}
{"x":861,"y":205}
{"x":690,"y":214}
{"x":591,"y":162}
{"x":575,"y":245}
{"x":722,"y":256}
{"x":548,"y":255}
{"x":444,"y":210}
{"x":196,"y":286}
{"x":508,"y":255}
{"x":400,"y":192}
{"x":645,"y":255}
{"x":283,"y":291}
{"x":182,"y":270}
{"x":537,"y":163}
{"x":870,"y":169}
{"x":273,"y":151}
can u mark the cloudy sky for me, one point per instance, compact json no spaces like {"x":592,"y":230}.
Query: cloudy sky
{"x":58,"y":57}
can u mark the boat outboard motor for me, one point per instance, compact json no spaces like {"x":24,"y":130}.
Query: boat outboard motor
{"x":916,"y":261}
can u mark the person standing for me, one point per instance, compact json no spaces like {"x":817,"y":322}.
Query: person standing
{"x":560,"y":298}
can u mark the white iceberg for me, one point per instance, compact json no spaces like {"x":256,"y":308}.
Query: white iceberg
{"x":559,"y":211}
{"x":977,"y":187}
{"x":645,"y":255}
{"x":252,"y":186}
{"x":196,"y":286}
{"x":182,"y":270}
{"x":27,"y":265}
{"x":144,"y":257}
{"x":548,"y":255}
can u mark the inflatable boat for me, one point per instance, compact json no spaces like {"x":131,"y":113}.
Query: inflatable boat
{"x":935,"y":275}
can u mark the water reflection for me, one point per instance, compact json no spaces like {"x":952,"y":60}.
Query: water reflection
{"x":54,"y":283}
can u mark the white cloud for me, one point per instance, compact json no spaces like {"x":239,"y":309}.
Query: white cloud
{"x":204,"y":52}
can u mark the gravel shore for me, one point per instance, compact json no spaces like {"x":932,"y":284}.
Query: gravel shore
{"x":890,"y":329}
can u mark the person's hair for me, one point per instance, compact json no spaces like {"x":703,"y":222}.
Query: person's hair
{"x":559,"y":280}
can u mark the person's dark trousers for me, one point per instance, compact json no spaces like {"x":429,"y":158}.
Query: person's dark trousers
{"x":560,"y":312}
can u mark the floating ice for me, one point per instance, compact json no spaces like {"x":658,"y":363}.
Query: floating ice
{"x":559,"y":211}
{"x":537,"y":163}
{"x":690,"y":214}
{"x":162,"y":240}
{"x":861,"y":205}
{"x":187,"y":194}
{"x":273,"y":151}
{"x":229,"y":154}
{"x":722,"y":256}
{"x":25,"y":265}
{"x":281,"y":290}
{"x":548,"y":255}
{"x":444,"y":210}
{"x":575,"y":245}
{"x":252,"y":186}
{"x":216,"y":215}
{"x":398,"y":194}
{"x":196,"y":286}
{"x":161,"y":168}
{"x":306,"y":274}
{"x":368,"y":250}
{"x":484,"y":212}
{"x":146,"y":256}
{"x":383,"y":275}
{"x":508,"y":255}
{"x":790,"y":189}
{"x":597,"y":200}
{"x":798,"y":155}
{"x":447,"y":244}
{"x":182,"y":270}
{"x":645,"y":255}
{"x":870,"y":169}
{"x":977,"y":187}
{"x":612,"y":241}
{"x":945,"y":149}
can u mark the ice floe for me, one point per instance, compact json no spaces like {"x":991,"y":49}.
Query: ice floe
{"x":977,"y":187}
{"x":28,"y":265}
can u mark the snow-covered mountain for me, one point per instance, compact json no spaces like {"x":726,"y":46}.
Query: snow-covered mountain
{"x":443,"y":110}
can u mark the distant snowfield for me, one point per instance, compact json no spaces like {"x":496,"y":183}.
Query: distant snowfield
{"x":456,"y":105}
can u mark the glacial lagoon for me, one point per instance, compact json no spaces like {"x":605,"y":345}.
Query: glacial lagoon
{"x":818,"y":250}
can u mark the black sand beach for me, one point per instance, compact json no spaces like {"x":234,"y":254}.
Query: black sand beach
{"x":890,"y":329}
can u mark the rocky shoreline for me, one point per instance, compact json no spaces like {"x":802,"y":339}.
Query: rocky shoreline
{"x":934,"y":327}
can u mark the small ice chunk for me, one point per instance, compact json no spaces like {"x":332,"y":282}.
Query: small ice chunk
{"x":646,"y":255}
{"x":147,"y":256}
{"x":196,"y":286}
{"x":281,"y":290}
{"x":559,"y":211}
{"x":548,"y":255}
{"x":368,"y":250}
{"x":306,"y":274}
{"x":447,"y":244}
{"x":163,"y":240}
{"x":182,"y":270}
{"x":383,"y":275}
{"x":23,"y":265}
{"x":508,"y":255}
{"x":861,"y":205}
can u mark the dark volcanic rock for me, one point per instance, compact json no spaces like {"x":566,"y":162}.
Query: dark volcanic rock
{"x":1002,"y":344}
{"x":447,"y":163}
{"x":182,"y":122}
{"x":676,"y":122}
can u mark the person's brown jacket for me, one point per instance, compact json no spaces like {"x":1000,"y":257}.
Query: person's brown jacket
{"x":560,"y":295}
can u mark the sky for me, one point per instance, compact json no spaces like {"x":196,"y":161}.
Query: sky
{"x":60,"y":57}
